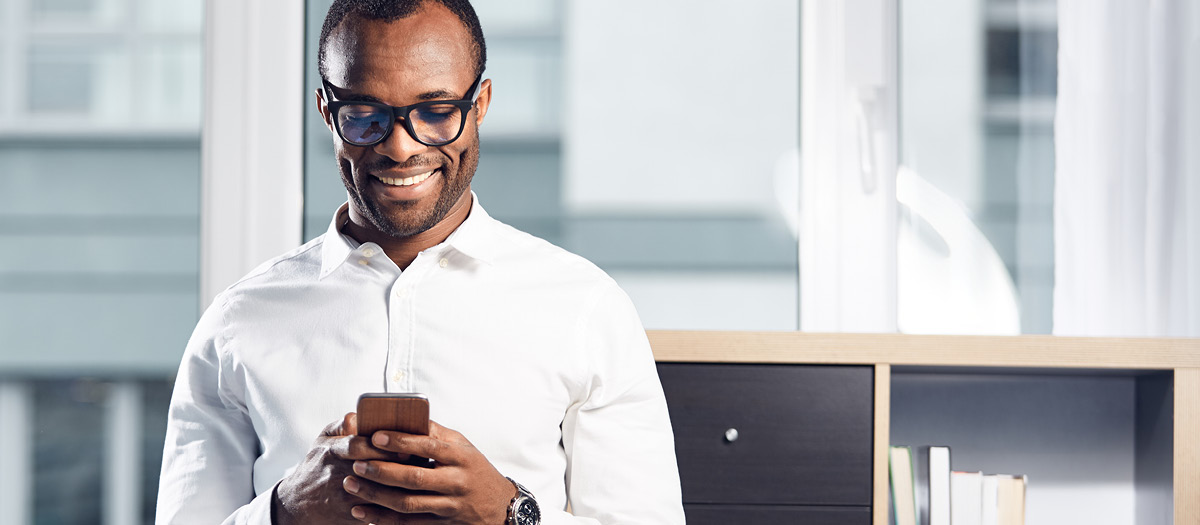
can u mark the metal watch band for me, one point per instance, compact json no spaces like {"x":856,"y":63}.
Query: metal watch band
{"x":521,"y":499}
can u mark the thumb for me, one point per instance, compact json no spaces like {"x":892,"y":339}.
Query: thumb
{"x":347,"y":426}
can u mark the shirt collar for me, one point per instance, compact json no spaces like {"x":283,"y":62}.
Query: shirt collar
{"x":471,"y":238}
{"x":474,"y":237}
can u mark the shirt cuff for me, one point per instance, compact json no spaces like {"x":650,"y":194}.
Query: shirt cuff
{"x":257,"y":512}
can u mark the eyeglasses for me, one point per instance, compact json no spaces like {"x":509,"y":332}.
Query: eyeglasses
{"x":432,"y":123}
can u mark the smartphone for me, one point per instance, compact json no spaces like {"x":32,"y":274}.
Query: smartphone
{"x":408,"y":413}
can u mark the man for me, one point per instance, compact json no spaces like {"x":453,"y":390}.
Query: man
{"x":535,"y":364}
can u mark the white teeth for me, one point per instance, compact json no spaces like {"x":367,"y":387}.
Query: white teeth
{"x":409,"y":181}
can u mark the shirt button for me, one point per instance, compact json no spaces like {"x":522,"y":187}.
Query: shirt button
{"x":364,"y":262}
{"x":368,"y":252}
{"x":444,"y":262}
{"x":401,"y":292}
{"x":398,"y":376}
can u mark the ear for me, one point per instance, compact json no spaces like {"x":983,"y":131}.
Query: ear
{"x":483,"y":101}
{"x":323,"y":109}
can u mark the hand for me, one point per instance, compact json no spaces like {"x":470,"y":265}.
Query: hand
{"x":463,"y":487}
{"x":313,"y":492}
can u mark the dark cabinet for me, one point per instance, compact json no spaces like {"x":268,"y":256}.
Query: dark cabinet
{"x":772,"y":443}
{"x":776,"y":515}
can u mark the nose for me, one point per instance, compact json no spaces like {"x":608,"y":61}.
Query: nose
{"x":400,"y":145}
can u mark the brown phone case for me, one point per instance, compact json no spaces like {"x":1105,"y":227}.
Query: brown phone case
{"x":408,"y":413}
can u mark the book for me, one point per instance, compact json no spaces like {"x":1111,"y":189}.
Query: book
{"x":931,"y":479}
{"x":1010,"y":500}
{"x":925,"y":491}
{"x":990,"y":493}
{"x":966,"y":498}
{"x":900,"y":469}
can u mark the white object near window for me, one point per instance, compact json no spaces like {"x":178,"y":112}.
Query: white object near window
{"x":848,"y":150}
{"x":1127,"y":203}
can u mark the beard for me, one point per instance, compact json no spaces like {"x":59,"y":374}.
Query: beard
{"x":405,"y":219}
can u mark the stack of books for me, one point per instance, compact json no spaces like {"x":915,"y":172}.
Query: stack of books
{"x":925,"y":491}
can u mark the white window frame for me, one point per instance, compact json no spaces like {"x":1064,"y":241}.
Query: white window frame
{"x":252,"y":182}
{"x":848,"y":144}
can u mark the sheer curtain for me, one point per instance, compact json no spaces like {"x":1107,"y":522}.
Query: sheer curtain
{"x":1127,"y":196}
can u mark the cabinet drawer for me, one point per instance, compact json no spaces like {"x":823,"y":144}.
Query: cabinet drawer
{"x":776,"y":515}
{"x":804,"y":433}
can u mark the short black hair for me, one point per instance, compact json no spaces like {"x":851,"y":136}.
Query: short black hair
{"x":392,"y":10}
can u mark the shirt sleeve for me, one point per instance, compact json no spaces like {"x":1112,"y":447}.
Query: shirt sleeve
{"x":621,"y":465}
{"x":211,"y":445}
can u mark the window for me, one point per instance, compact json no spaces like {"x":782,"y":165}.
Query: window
{"x":99,"y":216}
{"x":977,"y":83}
{"x":688,"y":199}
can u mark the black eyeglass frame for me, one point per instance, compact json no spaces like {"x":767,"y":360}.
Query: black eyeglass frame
{"x":401,"y":112}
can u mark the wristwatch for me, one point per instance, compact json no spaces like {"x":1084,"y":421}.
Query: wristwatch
{"x":523,"y":509}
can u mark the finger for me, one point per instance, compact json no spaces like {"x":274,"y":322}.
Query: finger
{"x":409,"y":477}
{"x":446,"y":434}
{"x":347,"y":426}
{"x":416,"y":445}
{"x":357,"y":448}
{"x":398,"y":499}
{"x":377,"y":515}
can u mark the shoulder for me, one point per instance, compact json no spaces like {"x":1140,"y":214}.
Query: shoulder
{"x":301,"y":264}
{"x":547,"y":262}
{"x":304,"y":260}
{"x":559,"y":279}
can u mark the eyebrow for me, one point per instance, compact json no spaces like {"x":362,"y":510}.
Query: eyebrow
{"x":440,"y":94}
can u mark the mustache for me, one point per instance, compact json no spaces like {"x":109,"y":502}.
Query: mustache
{"x":385,"y":164}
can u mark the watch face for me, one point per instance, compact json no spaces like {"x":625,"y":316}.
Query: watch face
{"x":528,"y":513}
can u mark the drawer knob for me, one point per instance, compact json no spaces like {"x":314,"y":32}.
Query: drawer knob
{"x":731,"y":435}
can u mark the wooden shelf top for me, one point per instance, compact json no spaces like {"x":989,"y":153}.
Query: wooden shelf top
{"x":1033,"y":351}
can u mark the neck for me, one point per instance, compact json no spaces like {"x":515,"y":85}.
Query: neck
{"x":403,"y":250}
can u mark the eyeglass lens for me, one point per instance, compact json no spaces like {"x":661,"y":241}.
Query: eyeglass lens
{"x":432,"y":124}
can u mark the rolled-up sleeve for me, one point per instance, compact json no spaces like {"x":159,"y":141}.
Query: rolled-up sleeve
{"x":211,"y":446}
{"x":620,"y":448}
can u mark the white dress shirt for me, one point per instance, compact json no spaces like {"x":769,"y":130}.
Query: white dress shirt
{"x":533,"y":353}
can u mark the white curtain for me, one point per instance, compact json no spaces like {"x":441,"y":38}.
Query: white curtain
{"x":1127,"y":195}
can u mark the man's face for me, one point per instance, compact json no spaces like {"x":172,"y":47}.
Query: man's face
{"x":401,"y":187}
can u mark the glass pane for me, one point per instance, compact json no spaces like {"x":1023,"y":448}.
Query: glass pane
{"x":69,"y":464}
{"x":156,"y":399}
{"x":72,"y":7}
{"x":172,"y":85}
{"x":54,"y":15}
{"x":977,"y":92}
{"x":694,"y":211}
{"x":62,"y":79}
{"x":99,"y":216}
{"x":173,"y":15}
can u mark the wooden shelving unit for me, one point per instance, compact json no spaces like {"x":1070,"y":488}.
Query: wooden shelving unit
{"x":1178,"y":359}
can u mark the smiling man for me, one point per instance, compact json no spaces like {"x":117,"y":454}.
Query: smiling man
{"x":543,"y":392}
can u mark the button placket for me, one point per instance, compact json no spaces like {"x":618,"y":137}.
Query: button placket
{"x":400,"y":334}
{"x":402,"y":321}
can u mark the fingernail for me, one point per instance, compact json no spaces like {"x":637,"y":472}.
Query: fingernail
{"x":360,"y":468}
{"x":351,"y":485}
{"x":380,"y":439}
{"x":358,"y":513}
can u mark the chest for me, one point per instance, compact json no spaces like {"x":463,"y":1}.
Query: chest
{"x":503,"y":374}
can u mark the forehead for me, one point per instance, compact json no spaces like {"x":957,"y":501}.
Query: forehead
{"x":427,"y":51}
